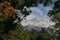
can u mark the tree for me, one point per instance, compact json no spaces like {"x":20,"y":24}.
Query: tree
{"x":40,"y":35}
{"x":9,"y":30}
{"x":55,"y":16}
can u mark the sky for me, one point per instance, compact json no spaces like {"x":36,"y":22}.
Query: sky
{"x":41,"y":11}
{"x":39,"y":16}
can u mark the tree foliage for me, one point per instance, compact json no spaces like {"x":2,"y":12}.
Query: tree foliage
{"x":9,"y":30}
{"x":55,"y":16}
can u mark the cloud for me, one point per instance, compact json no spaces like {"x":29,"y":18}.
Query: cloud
{"x":41,"y":11}
{"x":35,"y":21}
{"x":37,"y":12}
{"x":38,"y":17}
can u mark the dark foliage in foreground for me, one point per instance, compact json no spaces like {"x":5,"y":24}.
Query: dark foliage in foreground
{"x":9,"y":30}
